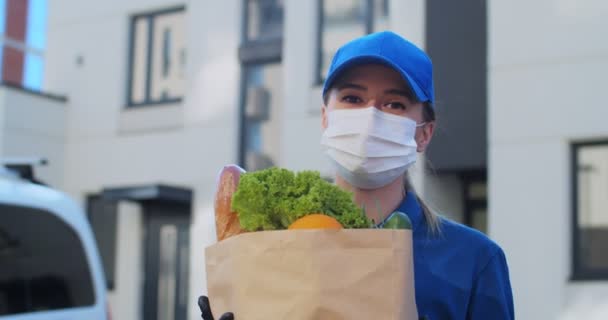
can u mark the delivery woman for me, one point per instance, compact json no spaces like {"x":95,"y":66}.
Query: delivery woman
{"x":378,"y":114}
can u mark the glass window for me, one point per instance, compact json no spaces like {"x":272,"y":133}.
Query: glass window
{"x":264,"y":19}
{"x":380,"y":9}
{"x":475,"y":200}
{"x":344,"y":20}
{"x":167,"y":275}
{"x":42,"y":263}
{"x":477,"y":190}
{"x":591,"y":210}
{"x":479,"y":219}
{"x":261,"y":110}
{"x":2,"y":32}
{"x":262,"y":116}
{"x":340,"y":21}
{"x":22,"y":42}
{"x":157,"y":55}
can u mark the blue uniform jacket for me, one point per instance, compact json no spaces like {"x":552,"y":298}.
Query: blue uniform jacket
{"x":459,"y":273}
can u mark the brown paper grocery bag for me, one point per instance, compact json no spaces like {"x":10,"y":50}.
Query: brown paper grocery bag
{"x":313,"y":274}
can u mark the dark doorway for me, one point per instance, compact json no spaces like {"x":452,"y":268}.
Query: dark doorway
{"x":167,"y":214}
{"x":166,"y":260}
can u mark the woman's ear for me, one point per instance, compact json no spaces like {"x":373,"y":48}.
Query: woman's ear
{"x":424,"y":135}
{"x":324,"y":117}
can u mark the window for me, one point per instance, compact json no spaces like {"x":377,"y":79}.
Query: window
{"x":157,"y":57}
{"x":475,"y":200}
{"x":344,"y":20}
{"x":22,"y":42}
{"x":590,"y":206}
{"x":262,"y":115}
{"x":264,"y":19}
{"x":260,"y":55}
{"x":380,"y":14}
{"x":43,"y":265}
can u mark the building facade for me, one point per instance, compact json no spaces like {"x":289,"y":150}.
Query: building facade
{"x":159,"y":95}
{"x":548,"y":154}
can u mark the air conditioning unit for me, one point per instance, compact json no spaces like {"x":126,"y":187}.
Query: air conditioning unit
{"x":258,"y":161}
{"x":258,"y":104}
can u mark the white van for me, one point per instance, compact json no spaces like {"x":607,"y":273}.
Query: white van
{"x":50,"y":267}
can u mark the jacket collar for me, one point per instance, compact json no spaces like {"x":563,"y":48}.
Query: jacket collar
{"x":412,"y":208}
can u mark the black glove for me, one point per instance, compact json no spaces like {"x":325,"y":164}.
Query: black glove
{"x":203,"y":303}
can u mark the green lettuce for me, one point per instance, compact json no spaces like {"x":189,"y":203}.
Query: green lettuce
{"x":272,"y":199}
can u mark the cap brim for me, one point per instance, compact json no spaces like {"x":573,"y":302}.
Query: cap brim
{"x":359,"y":60}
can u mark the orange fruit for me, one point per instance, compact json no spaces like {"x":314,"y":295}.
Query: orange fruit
{"x":315,"y":221}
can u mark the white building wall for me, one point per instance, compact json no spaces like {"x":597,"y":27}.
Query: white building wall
{"x":545,"y":72}
{"x":547,"y":64}
{"x":211,"y":107}
{"x":127,"y":297}
{"x":302,"y":102}
{"x":33,"y":126}
{"x":182,"y":144}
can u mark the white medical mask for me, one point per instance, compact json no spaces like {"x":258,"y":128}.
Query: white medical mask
{"x":368,"y":147}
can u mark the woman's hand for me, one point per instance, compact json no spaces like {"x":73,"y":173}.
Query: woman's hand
{"x":203,"y":304}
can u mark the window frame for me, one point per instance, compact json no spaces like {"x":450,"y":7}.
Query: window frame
{"x":150,"y":15}
{"x":257,"y":50}
{"x":579,"y":271}
{"x":246,"y":39}
{"x":251,"y":53}
{"x":319,"y":77}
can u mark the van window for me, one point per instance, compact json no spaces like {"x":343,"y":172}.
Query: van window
{"x":42,"y":263}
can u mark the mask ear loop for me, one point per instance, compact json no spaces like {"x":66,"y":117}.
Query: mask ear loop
{"x":422,"y":124}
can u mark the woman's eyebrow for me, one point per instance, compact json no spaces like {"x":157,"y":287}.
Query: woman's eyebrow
{"x":398,"y":92}
{"x":352,"y":86}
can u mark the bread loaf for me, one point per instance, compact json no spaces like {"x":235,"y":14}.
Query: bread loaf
{"x":226,"y":221}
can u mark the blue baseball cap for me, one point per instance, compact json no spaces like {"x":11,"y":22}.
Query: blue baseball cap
{"x":389,"y":49}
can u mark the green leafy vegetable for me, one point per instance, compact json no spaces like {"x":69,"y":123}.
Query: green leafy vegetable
{"x":273,"y":198}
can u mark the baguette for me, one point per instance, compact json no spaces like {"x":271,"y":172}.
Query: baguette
{"x":226,"y":221}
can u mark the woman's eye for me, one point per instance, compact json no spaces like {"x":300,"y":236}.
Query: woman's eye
{"x":396,"y":105}
{"x":351,"y":99}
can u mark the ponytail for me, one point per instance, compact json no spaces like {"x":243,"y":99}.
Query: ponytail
{"x":433,"y":221}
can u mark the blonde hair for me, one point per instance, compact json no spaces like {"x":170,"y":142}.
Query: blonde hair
{"x":433,"y":220}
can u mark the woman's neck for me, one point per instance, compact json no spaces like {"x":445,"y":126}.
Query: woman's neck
{"x":378,"y":203}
